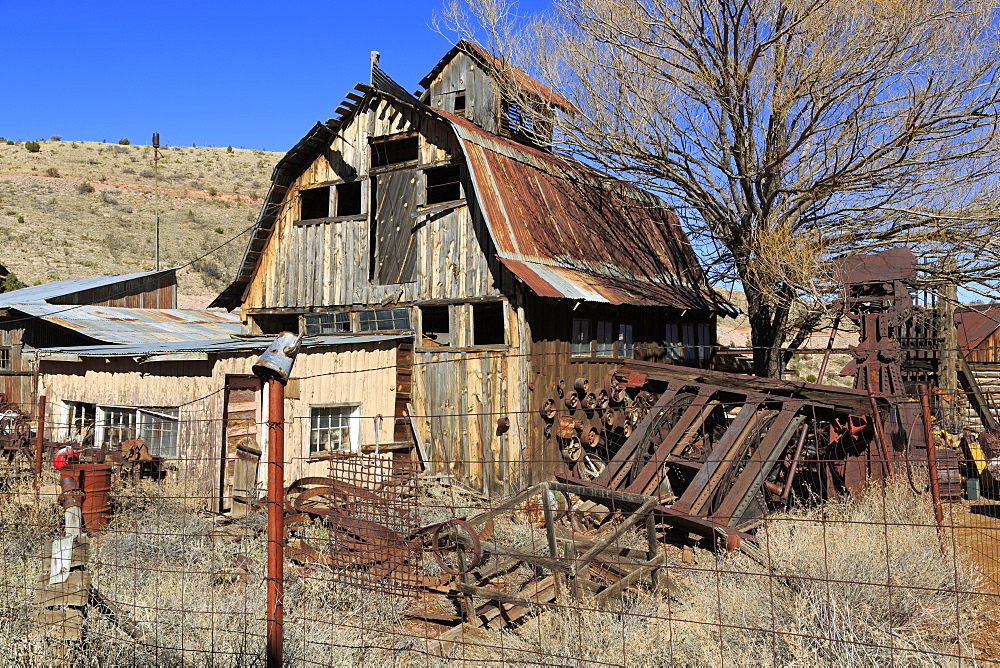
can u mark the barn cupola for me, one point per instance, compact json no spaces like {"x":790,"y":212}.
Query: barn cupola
{"x":473,"y":83}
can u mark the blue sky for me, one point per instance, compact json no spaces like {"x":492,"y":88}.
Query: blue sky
{"x":252,"y":74}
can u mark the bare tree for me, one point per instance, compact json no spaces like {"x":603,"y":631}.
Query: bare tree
{"x":786,"y":133}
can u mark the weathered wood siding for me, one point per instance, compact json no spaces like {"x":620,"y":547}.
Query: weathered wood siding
{"x":147,"y":292}
{"x":326,"y":263}
{"x":482,"y":97}
{"x":458,"y":397}
{"x":363,"y":374}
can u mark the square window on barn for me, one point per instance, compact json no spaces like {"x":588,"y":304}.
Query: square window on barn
{"x":673,"y":347}
{"x":158,"y":428}
{"x":443,"y":184}
{"x":384,"y":319}
{"x":386,"y":152}
{"x":626,"y":346}
{"x":80,"y":418}
{"x":333,"y":429}
{"x":605,"y":345}
{"x":328,"y":323}
{"x":349,"y":199}
{"x":488,"y":324}
{"x":435,"y":326}
{"x":315,"y":203}
{"x":114,"y":425}
{"x":460,"y":103}
{"x":580,"y":343}
{"x":4,"y":357}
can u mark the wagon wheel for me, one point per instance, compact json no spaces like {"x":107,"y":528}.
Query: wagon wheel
{"x":741,"y":459}
{"x":451,"y":553}
{"x":664,"y":420}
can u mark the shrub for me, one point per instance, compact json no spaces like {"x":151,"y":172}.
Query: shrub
{"x":84,"y":188}
{"x":147,"y":173}
{"x":212,"y":192}
{"x":2,"y":139}
{"x":32,"y":146}
{"x":52,"y":172}
{"x":12,"y":282}
{"x":124,"y":142}
{"x":56,"y":137}
{"x":219,"y":230}
{"x":20,"y":220}
{"x":229,"y":149}
{"x":10,"y":142}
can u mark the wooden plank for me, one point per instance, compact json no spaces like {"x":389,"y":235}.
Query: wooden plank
{"x":630,"y":579}
{"x":64,"y":624}
{"x":417,"y":438}
{"x":75,"y":591}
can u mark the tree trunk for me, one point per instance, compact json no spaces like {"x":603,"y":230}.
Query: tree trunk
{"x":768,"y":323}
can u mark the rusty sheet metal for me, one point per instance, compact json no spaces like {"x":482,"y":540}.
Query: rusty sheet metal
{"x":975,"y":324}
{"x":46,"y":291}
{"x":112,"y":324}
{"x":571,"y":231}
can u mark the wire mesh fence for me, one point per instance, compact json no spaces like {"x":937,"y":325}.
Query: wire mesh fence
{"x":392,"y":559}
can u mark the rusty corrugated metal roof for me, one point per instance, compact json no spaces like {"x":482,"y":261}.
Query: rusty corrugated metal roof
{"x":112,"y":324}
{"x":568,"y":230}
{"x":975,"y":324}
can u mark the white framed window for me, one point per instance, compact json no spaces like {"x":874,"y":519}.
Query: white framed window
{"x":626,"y":346}
{"x":79,"y":420}
{"x":580,"y":343}
{"x":334,"y":428}
{"x":605,"y":339}
{"x":157,"y":426}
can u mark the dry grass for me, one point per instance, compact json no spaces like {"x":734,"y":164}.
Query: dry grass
{"x":852,"y":584}
{"x":847,"y":584}
{"x":206,"y":195}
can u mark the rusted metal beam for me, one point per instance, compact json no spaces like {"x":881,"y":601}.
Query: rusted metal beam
{"x":932,"y":472}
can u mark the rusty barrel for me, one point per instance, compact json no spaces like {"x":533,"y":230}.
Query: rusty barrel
{"x":95,"y":481}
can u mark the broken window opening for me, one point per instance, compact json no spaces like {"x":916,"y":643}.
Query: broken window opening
{"x":80,"y":419}
{"x":384,"y":319}
{"x":443,"y":184}
{"x":276,"y":323}
{"x":349,"y":199}
{"x":5,"y":357}
{"x":395,"y":151}
{"x":488,"y":324}
{"x":580,"y":343}
{"x":460,"y":104}
{"x":315,"y":203}
{"x":435,"y":326}
{"x":328,"y":323}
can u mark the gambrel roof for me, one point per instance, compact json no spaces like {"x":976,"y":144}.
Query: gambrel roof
{"x":565,"y":229}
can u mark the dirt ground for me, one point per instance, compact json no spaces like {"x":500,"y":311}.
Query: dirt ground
{"x":974,"y":529}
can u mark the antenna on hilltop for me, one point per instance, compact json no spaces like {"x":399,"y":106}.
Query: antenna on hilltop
{"x":156,"y":193}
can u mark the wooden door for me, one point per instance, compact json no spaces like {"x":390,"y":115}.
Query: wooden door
{"x":395,"y":248}
{"x":241,"y":443}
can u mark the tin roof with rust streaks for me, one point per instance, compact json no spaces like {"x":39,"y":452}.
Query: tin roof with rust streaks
{"x":975,"y":324}
{"x":112,"y":324}
{"x":568,"y":230}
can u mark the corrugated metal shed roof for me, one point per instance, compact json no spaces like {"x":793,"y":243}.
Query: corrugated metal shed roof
{"x":975,"y":324}
{"x":212,"y":346}
{"x":112,"y":324}
{"x":41,"y":293}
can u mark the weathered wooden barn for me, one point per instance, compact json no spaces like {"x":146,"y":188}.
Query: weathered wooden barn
{"x":20,"y":331}
{"x":978,"y":329}
{"x":522,"y":273}
{"x":198,"y":404}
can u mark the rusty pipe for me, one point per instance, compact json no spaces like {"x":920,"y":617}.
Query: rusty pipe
{"x":39,"y":439}
{"x":880,"y":438}
{"x":794,"y":464}
{"x":932,"y":472}
{"x":275,"y":521}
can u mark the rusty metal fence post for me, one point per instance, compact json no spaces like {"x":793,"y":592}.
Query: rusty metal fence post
{"x":274,"y":366}
{"x":932,"y":471}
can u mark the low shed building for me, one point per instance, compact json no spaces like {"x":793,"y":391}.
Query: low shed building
{"x":198,"y":405}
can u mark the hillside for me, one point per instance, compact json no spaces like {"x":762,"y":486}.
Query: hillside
{"x":76,"y":209}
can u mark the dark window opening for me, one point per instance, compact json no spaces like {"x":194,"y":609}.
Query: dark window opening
{"x":276,"y":323}
{"x":443,"y":184}
{"x":580,"y":342}
{"x":395,"y":151}
{"x":460,"y":104}
{"x":315,"y":203}
{"x":5,"y":358}
{"x":435,"y":326}
{"x":383,"y":319}
{"x":328,"y":323}
{"x":349,"y":199}
{"x":488,"y":324}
